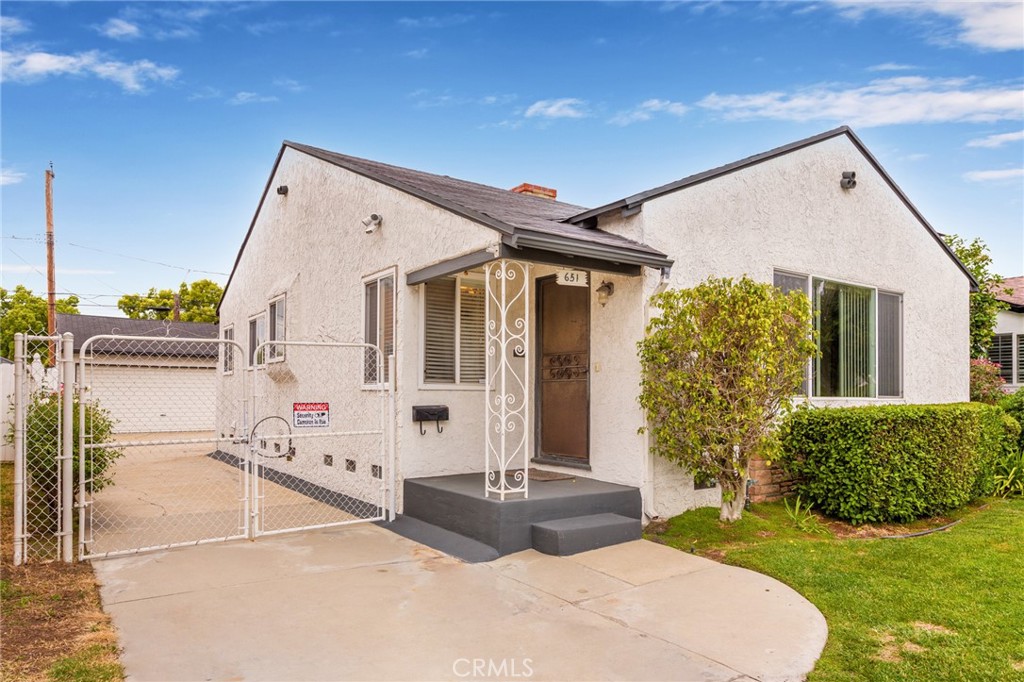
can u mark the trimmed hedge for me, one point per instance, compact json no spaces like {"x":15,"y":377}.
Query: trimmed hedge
{"x":1013,"y":405}
{"x":895,"y":462}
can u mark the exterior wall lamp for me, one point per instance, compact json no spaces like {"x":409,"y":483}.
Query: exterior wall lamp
{"x":604,"y":292}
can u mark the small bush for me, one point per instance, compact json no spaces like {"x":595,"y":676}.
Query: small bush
{"x":986,"y":384}
{"x":42,"y":434}
{"x":895,"y":462}
{"x":1013,"y":405}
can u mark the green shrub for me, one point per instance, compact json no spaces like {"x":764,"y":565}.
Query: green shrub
{"x":42,"y":433}
{"x":895,"y":462}
{"x":1013,"y":405}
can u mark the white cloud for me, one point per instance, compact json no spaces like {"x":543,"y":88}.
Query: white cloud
{"x":289,"y":84}
{"x":10,"y":26}
{"x":435,"y":22}
{"x":119,"y":29}
{"x":905,"y":99}
{"x":993,"y":141}
{"x":892,"y":66}
{"x":645,"y":110}
{"x":566,"y":107}
{"x":985,"y":25}
{"x":9,"y":177}
{"x":206,"y":92}
{"x":244,"y":97}
{"x":29,"y":67}
{"x":994,"y":175}
{"x":418,"y":53}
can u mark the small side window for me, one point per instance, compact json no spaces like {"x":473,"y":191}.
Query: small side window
{"x":228,"y":351}
{"x":276,"y":318}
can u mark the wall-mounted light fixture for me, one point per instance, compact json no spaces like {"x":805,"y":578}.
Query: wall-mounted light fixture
{"x":372,"y":223}
{"x":604,"y":292}
{"x":849,"y":180}
{"x":282,"y":190}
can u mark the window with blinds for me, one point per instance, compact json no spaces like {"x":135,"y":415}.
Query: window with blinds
{"x":788,"y":282}
{"x":1000,"y":351}
{"x":890,"y":345}
{"x":845,"y":322}
{"x":1020,"y":358}
{"x":453,"y":331}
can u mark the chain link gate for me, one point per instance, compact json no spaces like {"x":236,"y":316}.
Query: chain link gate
{"x":43,"y":448}
{"x":161,"y":463}
{"x":321,"y":446}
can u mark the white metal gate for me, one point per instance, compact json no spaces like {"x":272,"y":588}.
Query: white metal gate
{"x":183,"y":441}
{"x":321,"y":447}
{"x":43,"y":447}
{"x":160,"y":459}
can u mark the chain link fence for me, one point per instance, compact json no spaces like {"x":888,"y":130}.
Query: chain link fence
{"x":40,"y":448}
{"x":161,"y":463}
{"x":319,"y":440}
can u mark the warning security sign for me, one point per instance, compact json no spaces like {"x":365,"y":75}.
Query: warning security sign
{"x":311,"y":414}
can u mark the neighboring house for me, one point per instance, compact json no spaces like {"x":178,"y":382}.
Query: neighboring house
{"x":146,"y":386}
{"x":1007,"y":347}
{"x":7,"y":405}
{"x":444,"y":256}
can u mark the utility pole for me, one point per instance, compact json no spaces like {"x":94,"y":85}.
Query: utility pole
{"x":51,"y":287}
{"x":177,"y":307}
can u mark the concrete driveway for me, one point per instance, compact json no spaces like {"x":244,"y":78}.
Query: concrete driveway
{"x":362,"y":603}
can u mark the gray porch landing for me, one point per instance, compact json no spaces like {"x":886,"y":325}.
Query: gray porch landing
{"x":566,"y":516}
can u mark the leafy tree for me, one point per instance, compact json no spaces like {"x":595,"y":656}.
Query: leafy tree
{"x":720,"y":364}
{"x":22,"y":312}
{"x":984,"y":304}
{"x":197,"y":302}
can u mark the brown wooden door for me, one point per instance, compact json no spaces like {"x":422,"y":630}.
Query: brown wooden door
{"x":564,"y":372}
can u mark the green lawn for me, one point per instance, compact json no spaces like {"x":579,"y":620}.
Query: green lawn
{"x":945,"y":606}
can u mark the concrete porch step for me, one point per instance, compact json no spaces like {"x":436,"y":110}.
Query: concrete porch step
{"x":576,"y":534}
{"x":456,"y":545}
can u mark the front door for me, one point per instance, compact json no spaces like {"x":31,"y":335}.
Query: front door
{"x":564,"y":372}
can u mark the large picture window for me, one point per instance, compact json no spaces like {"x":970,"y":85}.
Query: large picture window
{"x":453,"y":337}
{"x":860,"y":338}
{"x":379,"y":330}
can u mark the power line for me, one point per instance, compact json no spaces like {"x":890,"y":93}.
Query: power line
{"x":146,"y":260}
{"x":40,"y":239}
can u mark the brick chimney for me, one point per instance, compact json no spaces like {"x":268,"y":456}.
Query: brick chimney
{"x":535,"y":190}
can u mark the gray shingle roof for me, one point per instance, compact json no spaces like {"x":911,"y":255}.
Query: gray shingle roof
{"x":84,"y":327}
{"x":508,"y":212}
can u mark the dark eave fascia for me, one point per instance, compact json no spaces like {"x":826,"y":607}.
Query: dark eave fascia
{"x":252,"y":224}
{"x":429,"y":197}
{"x":585,"y":249}
{"x":461,"y":263}
{"x":635,"y":201}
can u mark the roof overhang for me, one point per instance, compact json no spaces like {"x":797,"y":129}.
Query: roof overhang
{"x":560,"y":253}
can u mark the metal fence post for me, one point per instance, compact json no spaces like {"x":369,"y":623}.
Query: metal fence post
{"x":67,"y":449}
{"x":19,"y":449}
{"x":392,"y":474}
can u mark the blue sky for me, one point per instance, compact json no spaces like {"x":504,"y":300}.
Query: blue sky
{"x":163,"y":120}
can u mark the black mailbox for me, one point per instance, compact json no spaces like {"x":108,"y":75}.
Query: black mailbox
{"x":430,"y":413}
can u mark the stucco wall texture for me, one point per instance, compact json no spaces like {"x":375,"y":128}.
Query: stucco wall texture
{"x":787,"y":213}
{"x":790,"y":213}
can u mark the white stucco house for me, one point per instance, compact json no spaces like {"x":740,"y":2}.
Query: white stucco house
{"x":1007,"y":347}
{"x":521,"y":313}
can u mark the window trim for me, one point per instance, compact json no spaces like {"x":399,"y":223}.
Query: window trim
{"x":278,"y":356}
{"x":377,"y":276}
{"x":227,"y":350}
{"x":809,"y":372}
{"x":251,"y":348}
{"x":458,"y":385}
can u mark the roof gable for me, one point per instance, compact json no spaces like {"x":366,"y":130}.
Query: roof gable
{"x":635,"y":202}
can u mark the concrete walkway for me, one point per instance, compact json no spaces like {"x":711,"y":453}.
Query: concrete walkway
{"x":361,"y":603}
